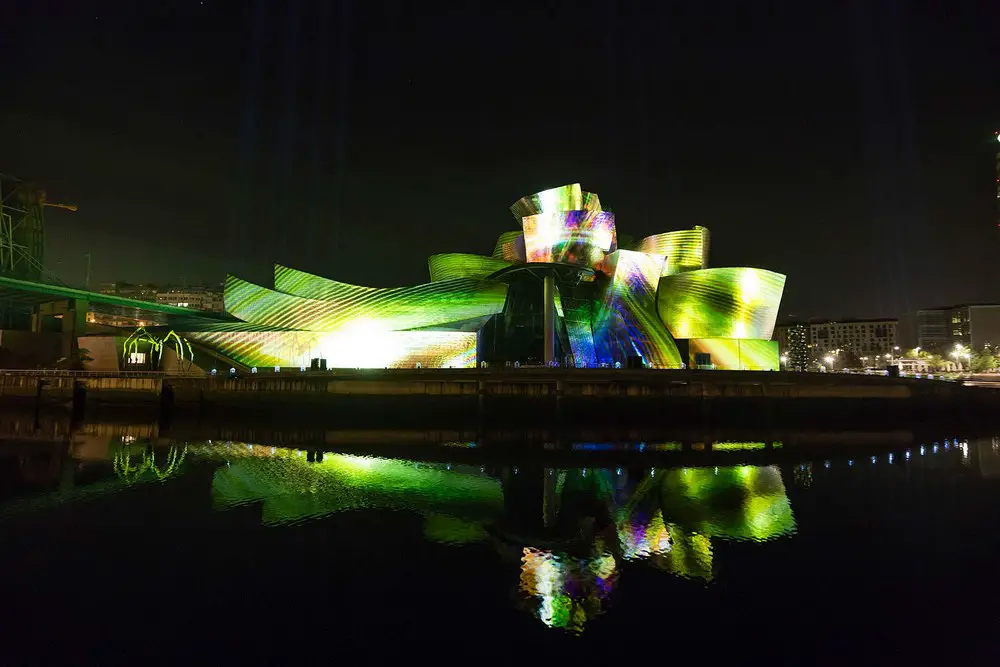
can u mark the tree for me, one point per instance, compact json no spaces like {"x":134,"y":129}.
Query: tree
{"x":983,"y":361}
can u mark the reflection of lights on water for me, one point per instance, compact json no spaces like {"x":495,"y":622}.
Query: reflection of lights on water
{"x":850,"y":462}
{"x":569,"y":591}
{"x":907,"y":454}
{"x":874,"y":460}
{"x":934,"y":449}
{"x":965,"y":450}
{"x":922,"y":450}
{"x":890,"y":457}
{"x":826,"y":464}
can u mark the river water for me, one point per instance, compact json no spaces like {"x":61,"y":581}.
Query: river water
{"x":118,"y":547}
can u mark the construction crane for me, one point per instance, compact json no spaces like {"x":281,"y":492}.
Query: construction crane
{"x":68,"y":207}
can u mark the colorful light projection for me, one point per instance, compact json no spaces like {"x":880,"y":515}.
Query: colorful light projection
{"x":685,"y":249}
{"x":510,"y":247}
{"x":736,"y":502}
{"x":735,"y":354}
{"x":577,"y":237}
{"x":630,"y":312}
{"x":577,"y":319}
{"x":563,"y":198}
{"x":721,"y":303}
{"x":292,"y":488}
{"x":568,"y":591}
{"x":672,"y":515}
{"x":451,"y":266}
{"x":354,"y":347}
{"x":335,"y":306}
{"x":626,"y":323}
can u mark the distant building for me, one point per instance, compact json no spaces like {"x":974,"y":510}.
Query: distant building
{"x":199,"y":298}
{"x":859,"y":342}
{"x":793,"y":345}
{"x":940,"y":329}
{"x":130,"y":291}
{"x":862,"y":338}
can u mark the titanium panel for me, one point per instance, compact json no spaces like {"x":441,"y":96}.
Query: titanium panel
{"x":454,"y":265}
{"x":338,"y":306}
{"x":345,"y":349}
{"x":577,"y":237}
{"x":737,"y":355}
{"x":685,"y":249}
{"x":564,"y":198}
{"x":721,"y":303}
{"x":627,"y":323}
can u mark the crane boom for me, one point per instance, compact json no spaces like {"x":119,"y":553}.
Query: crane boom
{"x":68,"y":207}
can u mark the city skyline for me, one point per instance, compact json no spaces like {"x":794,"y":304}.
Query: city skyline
{"x":850,"y":148}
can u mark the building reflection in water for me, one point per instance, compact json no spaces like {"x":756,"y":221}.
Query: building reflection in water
{"x":569,"y":534}
{"x":667,"y":518}
{"x":569,"y":529}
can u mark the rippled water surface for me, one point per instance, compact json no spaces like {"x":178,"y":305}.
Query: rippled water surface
{"x":120,"y":546}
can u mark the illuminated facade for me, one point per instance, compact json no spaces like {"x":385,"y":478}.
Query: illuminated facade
{"x":558,"y":290}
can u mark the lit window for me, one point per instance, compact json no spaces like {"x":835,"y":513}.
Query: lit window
{"x":137,"y":358}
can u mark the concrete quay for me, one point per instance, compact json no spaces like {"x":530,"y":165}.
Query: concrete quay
{"x":511,"y":394}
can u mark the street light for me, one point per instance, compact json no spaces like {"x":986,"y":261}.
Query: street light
{"x":962,"y":353}
{"x":784,"y":360}
{"x":829,"y":360}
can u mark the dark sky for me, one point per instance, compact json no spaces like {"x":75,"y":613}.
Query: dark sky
{"x":847,"y":144}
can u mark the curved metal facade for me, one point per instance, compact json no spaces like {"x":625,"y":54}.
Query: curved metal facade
{"x":721,"y":303}
{"x":627,"y":324}
{"x":335,"y":306}
{"x":685,"y":249}
{"x":581,"y":238}
{"x":361,"y":348}
{"x":611,"y":305}
{"x":454,"y":265}
{"x":506,"y":246}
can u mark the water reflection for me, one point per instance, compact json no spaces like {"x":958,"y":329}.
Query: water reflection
{"x":568,"y":536}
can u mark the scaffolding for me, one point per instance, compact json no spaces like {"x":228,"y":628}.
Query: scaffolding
{"x":22,"y":230}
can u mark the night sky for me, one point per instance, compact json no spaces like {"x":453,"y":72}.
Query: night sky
{"x":846,"y":144}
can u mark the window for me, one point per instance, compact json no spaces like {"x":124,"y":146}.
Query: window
{"x":702,"y":359}
{"x":137,"y":358}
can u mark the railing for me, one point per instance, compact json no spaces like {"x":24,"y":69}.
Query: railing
{"x":59,"y":372}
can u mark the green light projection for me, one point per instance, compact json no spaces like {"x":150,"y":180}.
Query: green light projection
{"x":506,"y":247}
{"x":454,"y":265}
{"x":736,"y":502}
{"x":721,"y":303}
{"x":293,"y":489}
{"x":359,"y":347}
{"x":685,"y":249}
{"x":736,"y":354}
{"x":332,"y":306}
{"x":156,"y":343}
{"x":564,"y":198}
{"x":629,"y":311}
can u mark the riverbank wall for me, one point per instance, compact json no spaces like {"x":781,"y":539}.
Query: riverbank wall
{"x":516,"y":394}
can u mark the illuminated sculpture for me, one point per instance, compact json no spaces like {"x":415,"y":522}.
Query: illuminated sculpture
{"x":656,"y":304}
